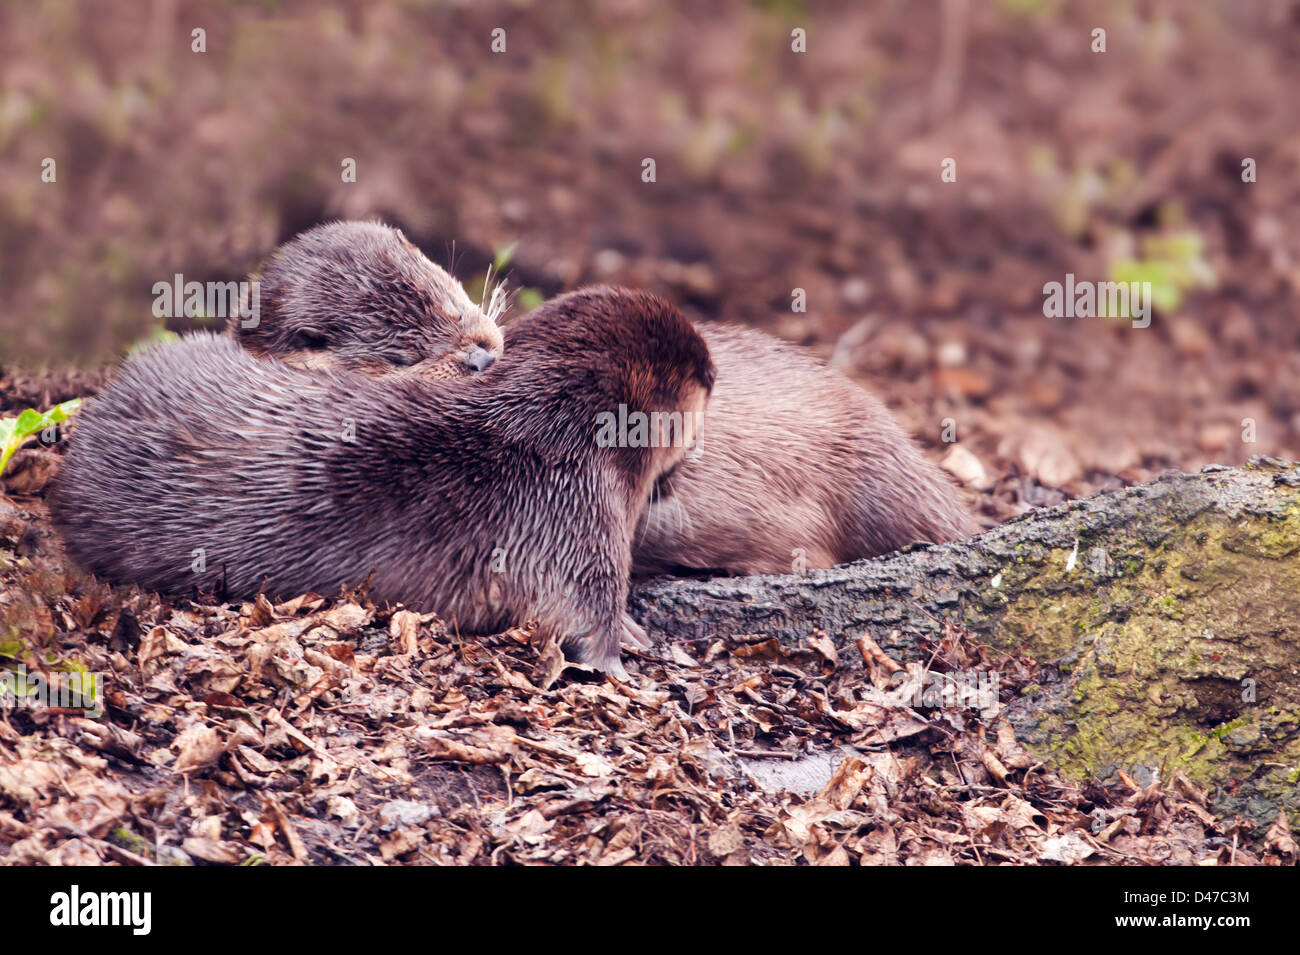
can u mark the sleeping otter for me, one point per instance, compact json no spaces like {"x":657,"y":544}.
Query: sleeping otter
{"x":360,"y":295}
{"x":485,"y":498}
{"x":799,"y":467}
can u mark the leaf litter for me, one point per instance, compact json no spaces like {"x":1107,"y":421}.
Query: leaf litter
{"x":332,"y":731}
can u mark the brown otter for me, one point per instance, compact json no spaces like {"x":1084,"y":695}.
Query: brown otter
{"x":484,"y":498}
{"x":799,"y":467}
{"x":360,"y":295}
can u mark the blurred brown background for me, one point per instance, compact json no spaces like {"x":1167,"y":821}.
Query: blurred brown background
{"x":775,"y":170}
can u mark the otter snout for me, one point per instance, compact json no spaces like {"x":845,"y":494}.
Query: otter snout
{"x":478,"y":358}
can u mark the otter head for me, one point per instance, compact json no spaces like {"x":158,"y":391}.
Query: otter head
{"x":642,"y":370}
{"x":361,"y":296}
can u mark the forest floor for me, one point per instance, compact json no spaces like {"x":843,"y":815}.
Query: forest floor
{"x":333,"y":731}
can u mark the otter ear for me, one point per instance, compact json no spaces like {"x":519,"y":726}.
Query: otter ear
{"x":310,"y":338}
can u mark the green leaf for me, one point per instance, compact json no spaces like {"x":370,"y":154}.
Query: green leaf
{"x":530,"y":298}
{"x":1174,"y":264}
{"x":14,"y":431}
{"x":503,"y":256}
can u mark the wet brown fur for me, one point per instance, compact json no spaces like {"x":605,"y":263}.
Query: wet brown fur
{"x":201,"y":446}
{"x":798,"y":467}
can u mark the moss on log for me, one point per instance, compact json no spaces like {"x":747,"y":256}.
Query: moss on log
{"x":1165,"y":620}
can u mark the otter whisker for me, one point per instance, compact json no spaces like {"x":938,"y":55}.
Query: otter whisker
{"x":494,"y":301}
{"x":497,"y":303}
{"x":487,"y":284}
{"x":645,"y":518}
{"x":685,"y":529}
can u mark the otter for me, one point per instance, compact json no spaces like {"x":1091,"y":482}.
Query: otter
{"x":486,"y":499}
{"x":798,"y":468}
{"x":360,"y":295}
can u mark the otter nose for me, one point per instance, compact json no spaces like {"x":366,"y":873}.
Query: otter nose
{"x":478,"y":358}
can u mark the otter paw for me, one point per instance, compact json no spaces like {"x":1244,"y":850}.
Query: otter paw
{"x":634,"y":633}
{"x":615,"y":669}
{"x":597,"y":648}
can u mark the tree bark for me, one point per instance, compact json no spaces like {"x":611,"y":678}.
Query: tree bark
{"x":1165,"y":621}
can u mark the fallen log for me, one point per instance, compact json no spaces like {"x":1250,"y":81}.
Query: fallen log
{"x":1164,"y":620}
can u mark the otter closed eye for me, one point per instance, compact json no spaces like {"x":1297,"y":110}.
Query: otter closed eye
{"x":663,"y":485}
{"x":311,"y":338}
